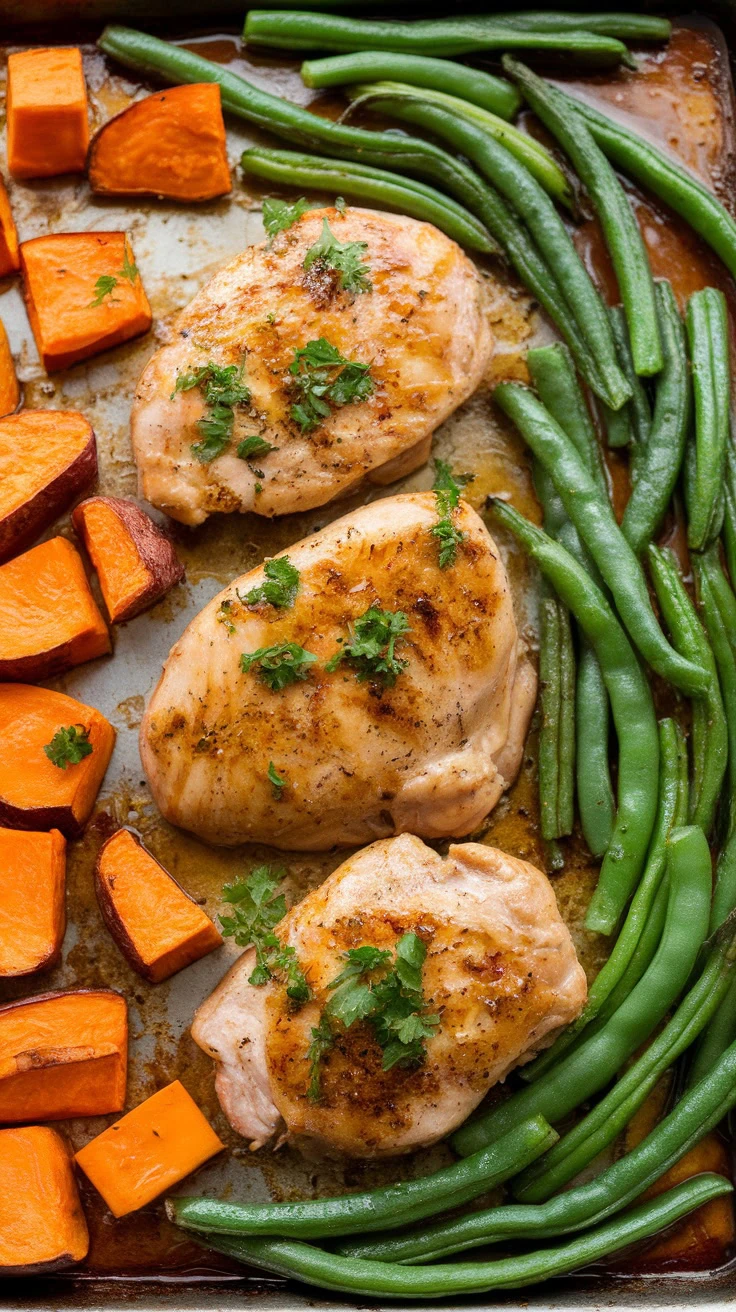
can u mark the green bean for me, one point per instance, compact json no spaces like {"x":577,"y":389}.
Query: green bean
{"x":290,"y":168}
{"x":719,"y":1036}
{"x":553,"y":375}
{"x":709,"y":726}
{"x":599,"y":1057}
{"x":593,"y":517}
{"x":635,"y":27}
{"x":355,"y":1275}
{"x":393,"y":1205}
{"x":620,"y":228}
{"x":656,"y":463}
{"x":393,"y":97}
{"x":633,"y":421}
{"x":707,"y":330}
{"x":729,"y":513}
{"x":611,"y":974}
{"x":596,"y":804}
{"x":472,"y":84}
{"x":304,"y":31}
{"x":550,"y":701}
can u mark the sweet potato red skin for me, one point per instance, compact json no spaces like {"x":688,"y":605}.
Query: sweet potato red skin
{"x":20,"y":529}
{"x":154,"y":549}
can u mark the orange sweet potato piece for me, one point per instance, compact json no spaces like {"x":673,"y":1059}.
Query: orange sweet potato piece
{"x":171,"y":145}
{"x":32,"y":912}
{"x":35,"y":793}
{"x":42,"y":1225}
{"x":47,"y":458}
{"x":156,"y":925}
{"x":9,"y":389}
{"x":84,"y":295}
{"x":62,"y":1055}
{"x":135,"y":563}
{"x":49,"y":619}
{"x":151,"y":1149}
{"x":9,"y":256}
{"x":48,"y":131}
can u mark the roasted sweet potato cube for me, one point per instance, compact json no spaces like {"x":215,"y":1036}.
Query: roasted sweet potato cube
{"x":84,"y":295}
{"x":62,"y":1055}
{"x":48,"y":132}
{"x":9,"y":389}
{"x":9,"y":255}
{"x":149,"y":1150}
{"x":42,"y":1225}
{"x":35,"y":793}
{"x":135,"y":563}
{"x":49,"y":619}
{"x":32,"y":914}
{"x":47,"y":459}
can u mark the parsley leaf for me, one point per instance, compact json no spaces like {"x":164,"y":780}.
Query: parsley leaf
{"x":69,"y":746}
{"x":276,"y":781}
{"x":447,"y":488}
{"x":371,"y":650}
{"x":281,"y":586}
{"x":129,"y":270}
{"x":278,"y":215}
{"x":225,"y":616}
{"x":280,"y":665}
{"x":223,"y":390}
{"x":318,"y":387}
{"x":340,"y":204}
{"x":105,"y":286}
{"x":254,"y":446}
{"x":322,"y":1041}
{"x":255,"y":913}
{"x":346,"y":258}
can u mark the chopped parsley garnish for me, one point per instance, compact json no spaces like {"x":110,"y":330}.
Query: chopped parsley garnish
{"x":253,"y":446}
{"x":256,"y":910}
{"x":129,"y":270}
{"x":280,"y":587}
{"x":346,"y":258}
{"x":276,"y":781}
{"x":280,"y":665}
{"x":386,"y":992}
{"x":318,"y":387}
{"x":447,"y":488}
{"x":340,"y":204}
{"x":278,"y":215}
{"x":69,"y":746}
{"x":107,"y":282}
{"x":225,"y":616}
{"x":223,"y":389}
{"x":371,"y":650}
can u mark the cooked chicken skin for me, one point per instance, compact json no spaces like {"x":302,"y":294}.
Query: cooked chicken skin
{"x":430,"y":755}
{"x":500,"y":970}
{"x":422,"y":329}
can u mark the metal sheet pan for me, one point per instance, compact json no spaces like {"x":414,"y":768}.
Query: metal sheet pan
{"x":141,"y":1261}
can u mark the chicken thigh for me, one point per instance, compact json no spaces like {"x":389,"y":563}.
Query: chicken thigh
{"x":346,"y":752}
{"x":415,"y":330}
{"x":500,"y":976}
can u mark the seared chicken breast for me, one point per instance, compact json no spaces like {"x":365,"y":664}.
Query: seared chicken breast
{"x":418,"y":325}
{"x":346,"y":753}
{"x":500,"y":974}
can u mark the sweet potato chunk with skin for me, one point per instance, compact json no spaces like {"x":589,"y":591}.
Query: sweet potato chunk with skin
{"x":171,"y":145}
{"x":32,"y":913}
{"x":48,"y":132}
{"x":62,"y":1055}
{"x":35,"y":793}
{"x":42,"y":1225}
{"x":47,"y":458}
{"x":156,"y":925}
{"x":84,"y":295}
{"x":135,"y":563}
{"x":49,"y":620}
{"x":9,"y":389}
{"x":151,"y":1149}
{"x":9,"y":255}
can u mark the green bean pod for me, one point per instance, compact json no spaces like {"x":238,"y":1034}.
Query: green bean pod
{"x":633,"y":421}
{"x":554,"y":378}
{"x":633,"y":27}
{"x":596,"y":803}
{"x":729,"y":513}
{"x":656,"y":463}
{"x":707,"y":330}
{"x":472,"y":84}
{"x":620,"y":228}
{"x":290,"y":168}
{"x":305,"y":31}
{"x":592,"y":515}
{"x":550,"y":701}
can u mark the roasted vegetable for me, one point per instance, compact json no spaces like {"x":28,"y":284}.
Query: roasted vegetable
{"x":42,"y":1225}
{"x":49,"y":620}
{"x":46,"y":112}
{"x":9,"y":389}
{"x":32,"y":913}
{"x":47,"y":457}
{"x":135,"y":563}
{"x":9,"y":256}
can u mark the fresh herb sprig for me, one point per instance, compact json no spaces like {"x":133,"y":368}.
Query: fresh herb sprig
{"x":346,"y":258}
{"x":69,"y":746}
{"x":280,"y":665}
{"x":280,"y":215}
{"x":385,"y":991}
{"x":107,"y":282}
{"x":280,"y":587}
{"x":318,"y":387}
{"x":254,"y":446}
{"x":277,"y":782}
{"x":371,"y":650}
{"x":256,"y":910}
{"x":223,"y":389}
{"x":447,"y":488}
